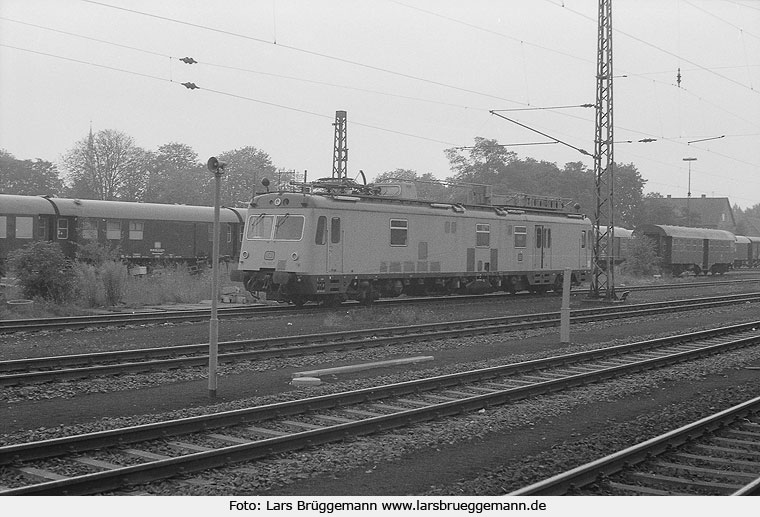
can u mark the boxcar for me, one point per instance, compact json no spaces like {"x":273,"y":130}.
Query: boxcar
{"x":699,"y":250}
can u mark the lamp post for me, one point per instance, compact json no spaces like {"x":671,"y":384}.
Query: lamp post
{"x":688,"y":193}
{"x":217,"y":169}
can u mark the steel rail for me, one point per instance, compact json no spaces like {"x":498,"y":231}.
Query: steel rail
{"x":627,"y":458}
{"x":112,"y":479}
{"x":187,"y":315}
{"x":48,"y":369}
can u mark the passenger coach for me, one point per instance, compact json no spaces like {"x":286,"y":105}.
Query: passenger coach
{"x":142,"y":232}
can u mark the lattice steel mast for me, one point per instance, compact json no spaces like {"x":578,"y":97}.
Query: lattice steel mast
{"x":603,"y":274}
{"x":340,"y":149}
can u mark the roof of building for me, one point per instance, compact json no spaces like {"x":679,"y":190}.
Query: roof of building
{"x":711,"y":211}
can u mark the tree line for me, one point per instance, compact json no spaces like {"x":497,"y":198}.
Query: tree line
{"x":108,"y":165}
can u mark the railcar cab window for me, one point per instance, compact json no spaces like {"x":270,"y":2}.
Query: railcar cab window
{"x":521,"y":236}
{"x":288,"y":227}
{"x":482,"y":235}
{"x":399,"y":232}
{"x":284,"y":227}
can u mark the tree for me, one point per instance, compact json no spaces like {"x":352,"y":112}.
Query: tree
{"x":108,"y":166}
{"x":628,"y":194}
{"x":174,"y":174}
{"x":28,"y":177}
{"x":245,"y":169}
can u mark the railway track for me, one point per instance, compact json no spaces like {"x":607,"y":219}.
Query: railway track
{"x":67,"y":367}
{"x":111,"y":460}
{"x":189,"y":315}
{"x":717,"y":455}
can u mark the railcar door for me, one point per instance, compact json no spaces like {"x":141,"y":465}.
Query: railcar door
{"x":542,"y":258}
{"x":335,"y":246}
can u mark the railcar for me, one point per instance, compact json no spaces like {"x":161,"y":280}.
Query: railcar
{"x":143,"y":233}
{"x":334,"y":244}
{"x":698,"y":250}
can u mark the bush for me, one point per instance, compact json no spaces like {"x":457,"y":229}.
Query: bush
{"x":96,"y":254}
{"x":104,"y":284}
{"x":42,"y":270}
{"x":114,"y":276}
{"x":642,"y":259}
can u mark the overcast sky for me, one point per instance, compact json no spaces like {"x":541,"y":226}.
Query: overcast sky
{"x":415,"y":76}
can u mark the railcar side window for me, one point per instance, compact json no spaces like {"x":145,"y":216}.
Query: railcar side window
{"x":482,"y":235}
{"x":547,"y":237}
{"x":289,"y":227}
{"x":399,"y":232}
{"x":320,"y":238}
{"x":63,"y":229}
{"x":583,"y":239}
{"x":539,"y":238}
{"x":521,"y":236}
{"x":260,"y":227}
{"x":24,"y":227}
{"x":136,"y":230}
{"x":3,"y":227}
{"x":335,"y":230}
{"x":113,"y":229}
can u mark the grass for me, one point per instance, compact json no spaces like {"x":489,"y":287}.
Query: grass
{"x":113,"y":286}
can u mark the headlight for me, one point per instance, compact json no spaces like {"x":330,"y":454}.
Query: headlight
{"x":245,"y":254}
{"x":294,"y":255}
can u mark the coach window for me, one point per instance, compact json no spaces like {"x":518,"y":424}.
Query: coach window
{"x":399,"y":232}
{"x":3,"y":227}
{"x":583,"y":239}
{"x":547,"y":237}
{"x":136,"y":230}
{"x":24,"y":227}
{"x":335,"y":230}
{"x":521,"y":236}
{"x":482,"y":235}
{"x":63,"y":229}
{"x":229,"y":233}
{"x":88,"y":229}
{"x":113,"y":230}
{"x":320,"y":238}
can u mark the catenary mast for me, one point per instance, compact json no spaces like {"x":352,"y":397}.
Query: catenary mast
{"x":603,"y":274}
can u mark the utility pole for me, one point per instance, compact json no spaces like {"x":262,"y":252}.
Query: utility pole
{"x":688,"y":193}
{"x":340,"y":149}
{"x":217,"y":169}
{"x":603,"y":274}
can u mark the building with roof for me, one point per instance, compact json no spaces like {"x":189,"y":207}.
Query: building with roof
{"x":700,"y":212}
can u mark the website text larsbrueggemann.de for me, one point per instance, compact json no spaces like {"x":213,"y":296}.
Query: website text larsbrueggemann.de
{"x":417,"y":505}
